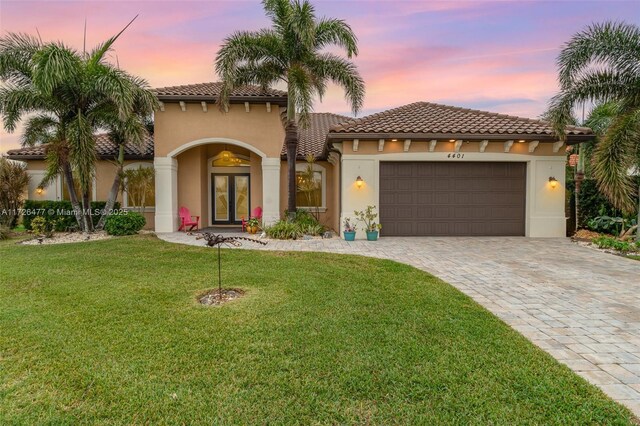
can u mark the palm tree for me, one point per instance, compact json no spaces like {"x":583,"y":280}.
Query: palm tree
{"x":291,"y":52}
{"x":65,"y":97}
{"x":602,"y":65}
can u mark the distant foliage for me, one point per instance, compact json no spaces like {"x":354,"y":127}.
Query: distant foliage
{"x":4,"y":232}
{"x":58,"y":212}
{"x":14,"y":181}
{"x":129,"y":223}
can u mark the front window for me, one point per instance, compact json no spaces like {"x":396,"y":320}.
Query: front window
{"x":309,"y":188}
{"x":139,"y":187}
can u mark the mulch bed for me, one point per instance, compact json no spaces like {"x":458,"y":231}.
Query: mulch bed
{"x":215,"y":298}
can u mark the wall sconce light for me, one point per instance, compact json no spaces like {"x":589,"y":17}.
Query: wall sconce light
{"x":39,"y":190}
{"x":553,"y":182}
{"x":359,"y":182}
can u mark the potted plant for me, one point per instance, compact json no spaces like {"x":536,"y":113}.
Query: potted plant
{"x":368,"y":217}
{"x":349,"y":230}
{"x":253,"y":225}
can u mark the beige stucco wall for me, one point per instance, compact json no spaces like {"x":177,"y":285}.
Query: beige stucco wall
{"x":105,"y":172}
{"x":545,"y":214}
{"x":258,"y":127}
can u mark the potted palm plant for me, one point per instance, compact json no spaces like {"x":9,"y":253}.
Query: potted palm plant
{"x":253,"y":225}
{"x":349,"y":230}
{"x":368,"y":217}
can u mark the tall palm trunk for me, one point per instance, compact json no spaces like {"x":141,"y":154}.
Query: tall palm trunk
{"x":291,"y":142}
{"x":86,"y":217}
{"x":115,"y":188}
{"x":73,"y":197}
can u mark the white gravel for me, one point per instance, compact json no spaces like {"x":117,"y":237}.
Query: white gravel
{"x":69,"y":237}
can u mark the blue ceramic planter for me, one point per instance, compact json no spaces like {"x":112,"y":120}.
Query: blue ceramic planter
{"x":350,"y":236}
{"x":372,"y":235}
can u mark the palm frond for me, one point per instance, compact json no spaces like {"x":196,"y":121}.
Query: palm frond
{"x":302,"y":23}
{"x":55,"y":65}
{"x":601,"y":117}
{"x":39,"y":130}
{"x":300,"y":93}
{"x":336,"y":32}
{"x":97,"y":55}
{"x":614,"y":45}
{"x":344,"y":73}
{"x":16,"y":53}
{"x":614,"y":157}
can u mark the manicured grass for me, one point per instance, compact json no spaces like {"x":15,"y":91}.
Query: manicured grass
{"x":109,"y":332}
{"x":634,"y":257}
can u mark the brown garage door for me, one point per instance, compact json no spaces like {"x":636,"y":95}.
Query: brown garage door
{"x":452,"y":199}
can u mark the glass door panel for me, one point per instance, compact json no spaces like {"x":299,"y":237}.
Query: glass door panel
{"x":221,"y":198}
{"x":241,"y":197}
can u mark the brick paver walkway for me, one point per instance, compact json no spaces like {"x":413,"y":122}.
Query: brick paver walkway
{"x":579,"y":305}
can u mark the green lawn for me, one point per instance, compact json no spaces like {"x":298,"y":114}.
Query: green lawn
{"x":109,"y":332}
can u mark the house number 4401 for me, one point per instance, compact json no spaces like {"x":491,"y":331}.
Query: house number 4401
{"x":455,"y":155}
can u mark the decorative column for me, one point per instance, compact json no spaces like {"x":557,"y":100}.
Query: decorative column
{"x":270,"y":190}
{"x":166,"y":169}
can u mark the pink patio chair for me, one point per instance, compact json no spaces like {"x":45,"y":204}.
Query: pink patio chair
{"x":255,"y":214}
{"x":187,"y":220}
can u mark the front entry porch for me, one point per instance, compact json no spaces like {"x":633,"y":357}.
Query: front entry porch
{"x":220,"y":180}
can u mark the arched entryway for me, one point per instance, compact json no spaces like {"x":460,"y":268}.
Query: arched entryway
{"x":218,"y":179}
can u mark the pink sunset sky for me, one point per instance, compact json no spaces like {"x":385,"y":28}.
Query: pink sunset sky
{"x":497,"y":56}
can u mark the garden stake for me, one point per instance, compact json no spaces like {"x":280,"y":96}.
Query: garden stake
{"x":213,"y":240}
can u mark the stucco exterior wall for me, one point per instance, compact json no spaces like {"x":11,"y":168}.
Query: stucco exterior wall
{"x":258,"y":128}
{"x":105,"y":172}
{"x":545,"y":214}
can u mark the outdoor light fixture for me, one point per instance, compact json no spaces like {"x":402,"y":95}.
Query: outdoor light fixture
{"x":553,"y":182}
{"x":359,"y":182}
{"x":394,"y":140}
{"x":521,"y":141}
{"x":452,"y":140}
{"x":39,"y":190}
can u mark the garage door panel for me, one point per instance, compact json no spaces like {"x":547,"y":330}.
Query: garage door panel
{"x":452,"y":198}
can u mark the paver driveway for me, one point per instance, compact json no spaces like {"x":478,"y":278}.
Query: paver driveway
{"x":580,"y":305}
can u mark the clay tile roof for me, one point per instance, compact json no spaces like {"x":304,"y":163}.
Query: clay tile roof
{"x":105,"y":148}
{"x":212,"y":91}
{"x":430,"y":118}
{"x":313,"y":139}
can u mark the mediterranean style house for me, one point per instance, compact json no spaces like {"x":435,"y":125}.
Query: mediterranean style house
{"x":432,"y":170}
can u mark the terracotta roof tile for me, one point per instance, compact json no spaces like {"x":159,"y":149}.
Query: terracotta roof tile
{"x":212,"y":90}
{"x":313,"y":139}
{"x":430,"y":118}
{"x":104,"y":148}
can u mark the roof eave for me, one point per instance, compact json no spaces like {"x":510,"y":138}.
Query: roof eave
{"x":465,"y":136}
{"x":278,"y":100}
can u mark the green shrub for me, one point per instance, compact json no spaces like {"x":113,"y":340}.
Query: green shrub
{"x":14,"y":181}
{"x":303,"y":223}
{"x":128,"y":223}
{"x":4,"y":232}
{"x":56,"y":212}
{"x":42,"y":226}
{"x":614,"y":244}
{"x":593,"y":204}
{"x":284,"y":230}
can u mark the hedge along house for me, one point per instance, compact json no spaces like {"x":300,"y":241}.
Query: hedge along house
{"x":432,"y":170}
